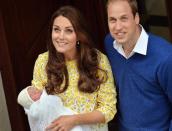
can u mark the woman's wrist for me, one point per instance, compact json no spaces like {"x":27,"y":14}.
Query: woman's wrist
{"x":89,"y":118}
{"x":76,"y":119}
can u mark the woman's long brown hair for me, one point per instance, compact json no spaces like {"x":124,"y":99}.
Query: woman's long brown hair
{"x":87,"y":57}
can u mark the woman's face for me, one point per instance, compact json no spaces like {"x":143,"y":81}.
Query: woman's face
{"x":64,"y":37}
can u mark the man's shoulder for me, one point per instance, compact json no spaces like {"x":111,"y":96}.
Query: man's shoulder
{"x":158,"y":42}
{"x":159,"y":45}
{"x":157,"y":39}
{"x":108,"y":39}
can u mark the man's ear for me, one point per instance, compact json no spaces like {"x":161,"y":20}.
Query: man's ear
{"x":137,"y":18}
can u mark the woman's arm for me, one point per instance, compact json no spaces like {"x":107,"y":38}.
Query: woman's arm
{"x":106,"y":106}
{"x":106,"y":99}
{"x":32,"y":93}
{"x":67,"y":122}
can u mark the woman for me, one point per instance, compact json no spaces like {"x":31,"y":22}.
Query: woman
{"x":75,"y":71}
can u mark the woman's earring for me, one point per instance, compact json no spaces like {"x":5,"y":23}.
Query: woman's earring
{"x":77,"y":42}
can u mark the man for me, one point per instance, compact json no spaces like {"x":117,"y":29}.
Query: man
{"x":142,"y":66}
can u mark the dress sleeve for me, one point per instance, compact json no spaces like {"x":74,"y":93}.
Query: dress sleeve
{"x":107,"y":92}
{"x":39,"y":74}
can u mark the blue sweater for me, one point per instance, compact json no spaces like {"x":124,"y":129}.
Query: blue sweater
{"x":144,"y":85}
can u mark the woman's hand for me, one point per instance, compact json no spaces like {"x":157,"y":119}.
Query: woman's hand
{"x":63,"y":123}
{"x":34,"y":93}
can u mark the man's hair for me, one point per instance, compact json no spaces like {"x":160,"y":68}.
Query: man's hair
{"x":132,"y":4}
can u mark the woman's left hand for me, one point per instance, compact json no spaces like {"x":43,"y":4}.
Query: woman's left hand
{"x":63,"y":123}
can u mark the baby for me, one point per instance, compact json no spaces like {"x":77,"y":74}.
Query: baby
{"x":42,"y":108}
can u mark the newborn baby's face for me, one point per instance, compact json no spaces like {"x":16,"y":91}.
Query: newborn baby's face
{"x":34,"y":93}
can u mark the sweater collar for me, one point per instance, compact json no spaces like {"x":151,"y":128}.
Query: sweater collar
{"x":140,"y":47}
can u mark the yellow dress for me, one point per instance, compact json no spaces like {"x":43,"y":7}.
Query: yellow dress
{"x":104,"y":100}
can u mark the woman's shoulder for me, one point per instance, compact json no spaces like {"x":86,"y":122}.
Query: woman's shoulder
{"x":101,"y":55}
{"x":43,"y":56}
{"x":42,"y":59}
{"x":103,"y":60}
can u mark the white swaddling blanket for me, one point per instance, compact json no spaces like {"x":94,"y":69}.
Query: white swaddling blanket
{"x":48,"y":108}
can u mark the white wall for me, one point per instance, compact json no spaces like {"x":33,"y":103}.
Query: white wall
{"x":4,"y":118}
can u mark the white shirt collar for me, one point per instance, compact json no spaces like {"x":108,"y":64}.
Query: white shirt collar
{"x":140,"y":47}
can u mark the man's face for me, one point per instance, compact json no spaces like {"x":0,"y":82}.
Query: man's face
{"x":122,"y":23}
